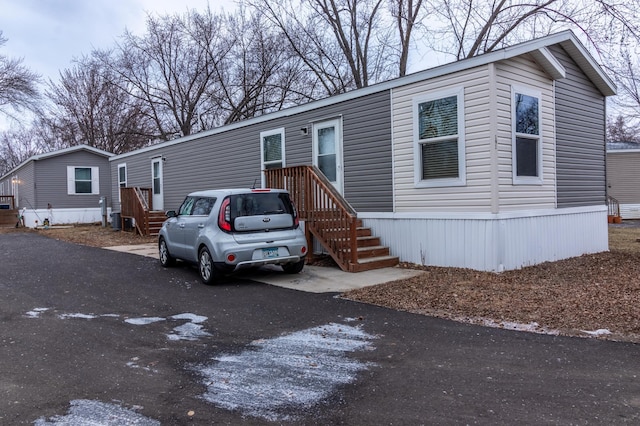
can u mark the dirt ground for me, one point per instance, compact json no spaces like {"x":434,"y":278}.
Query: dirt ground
{"x":591,"y":295}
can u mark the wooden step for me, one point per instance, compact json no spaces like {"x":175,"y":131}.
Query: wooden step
{"x":156,"y":219}
{"x":8,"y":217}
{"x":374,"y":263}
{"x":368,"y":241}
{"x":336,"y":233}
{"x":372,"y":251}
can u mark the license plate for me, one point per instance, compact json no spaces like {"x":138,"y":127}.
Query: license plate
{"x":269,"y":253}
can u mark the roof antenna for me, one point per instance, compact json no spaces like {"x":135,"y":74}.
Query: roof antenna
{"x":254,"y":183}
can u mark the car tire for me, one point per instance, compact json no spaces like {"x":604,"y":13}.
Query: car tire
{"x":206,"y":269}
{"x":293,"y":268}
{"x":166,"y":259}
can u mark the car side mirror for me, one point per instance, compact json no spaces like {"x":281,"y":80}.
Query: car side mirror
{"x":171,"y":213}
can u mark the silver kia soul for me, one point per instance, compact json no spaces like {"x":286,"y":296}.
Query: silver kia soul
{"x":228,"y":229}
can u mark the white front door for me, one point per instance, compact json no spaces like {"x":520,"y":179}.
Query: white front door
{"x":327,"y":151}
{"x":156,"y":184}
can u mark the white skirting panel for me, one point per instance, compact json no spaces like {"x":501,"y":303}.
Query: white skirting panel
{"x":64,"y":216}
{"x":491,"y":242}
{"x":630,"y":211}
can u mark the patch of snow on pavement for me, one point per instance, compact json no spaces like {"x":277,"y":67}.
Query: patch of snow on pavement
{"x":286,"y":374}
{"x":192,"y":330}
{"x":144,"y":320}
{"x":598,"y":332}
{"x":532,"y":327}
{"x":85,"y":412}
{"x":196,"y":319}
{"x":134,"y":364}
{"x":81,"y":316}
{"x":188,"y":331}
{"x":36,"y":312}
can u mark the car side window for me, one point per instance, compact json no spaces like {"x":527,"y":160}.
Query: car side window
{"x":186,"y":207}
{"x":203,"y":206}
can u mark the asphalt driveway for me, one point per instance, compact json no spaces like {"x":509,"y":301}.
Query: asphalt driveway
{"x":88,"y":334}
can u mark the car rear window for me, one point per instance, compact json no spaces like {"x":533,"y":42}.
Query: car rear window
{"x":260,"y":203}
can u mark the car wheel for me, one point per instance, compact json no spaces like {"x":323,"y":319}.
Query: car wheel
{"x":208,"y":273}
{"x":166,"y":259}
{"x":293,"y":268}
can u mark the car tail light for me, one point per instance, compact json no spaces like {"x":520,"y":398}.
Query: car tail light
{"x":224,"y":217}
{"x":231,"y":257}
{"x":303,"y":250}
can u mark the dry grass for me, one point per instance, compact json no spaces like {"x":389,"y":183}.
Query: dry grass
{"x":591,"y":292}
{"x":93,"y":235}
{"x":586,"y":293}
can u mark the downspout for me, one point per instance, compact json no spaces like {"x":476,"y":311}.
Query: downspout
{"x":393,"y":153}
{"x":555,"y":144}
{"x":497,"y":225}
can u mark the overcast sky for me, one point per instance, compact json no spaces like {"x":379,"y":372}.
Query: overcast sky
{"x":48,"y":34}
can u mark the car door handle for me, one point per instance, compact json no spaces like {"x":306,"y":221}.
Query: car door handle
{"x":181,"y":225}
{"x":201,"y":226}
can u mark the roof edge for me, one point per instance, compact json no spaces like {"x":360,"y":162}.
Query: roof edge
{"x":537,"y":47}
{"x":56,"y":153}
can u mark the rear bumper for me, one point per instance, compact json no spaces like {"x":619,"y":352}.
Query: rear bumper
{"x":226,"y":267}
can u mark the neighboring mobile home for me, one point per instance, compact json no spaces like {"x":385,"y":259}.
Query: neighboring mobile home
{"x":623,"y":177}
{"x":491,"y":163}
{"x":62,"y":186}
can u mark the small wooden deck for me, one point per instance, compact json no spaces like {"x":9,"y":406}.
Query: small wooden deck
{"x":8,"y":211}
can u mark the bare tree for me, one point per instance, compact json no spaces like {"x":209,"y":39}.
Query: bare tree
{"x":406,"y":14}
{"x":619,"y":130}
{"x":16,"y":146}
{"x":469,"y":27}
{"x":167,"y":70}
{"x":258,"y":73}
{"x":89,"y":106}
{"x":346,"y":44}
{"x":18,"y":86}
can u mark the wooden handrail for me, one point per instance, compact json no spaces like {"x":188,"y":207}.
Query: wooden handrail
{"x":8,"y":199}
{"x":327,"y":215}
{"x":135,"y":203}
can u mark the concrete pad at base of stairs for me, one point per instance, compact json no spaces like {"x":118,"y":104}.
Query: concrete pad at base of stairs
{"x":324,"y":279}
{"x":313,"y":279}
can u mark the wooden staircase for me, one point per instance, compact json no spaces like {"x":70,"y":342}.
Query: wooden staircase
{"x":155,"y":220}
{"x":8,"y":212}
{"x":136,"y":204}
{"x":331,"y":220}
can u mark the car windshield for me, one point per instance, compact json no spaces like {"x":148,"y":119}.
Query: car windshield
{"x":260,"y":203}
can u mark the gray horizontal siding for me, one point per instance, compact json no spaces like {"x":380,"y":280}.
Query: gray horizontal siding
{"x":580,"y":137}
{"x":51,"y":181}
{"x":623,"y":176}
{"x":24,"y":195}
{"x":232,"y":159}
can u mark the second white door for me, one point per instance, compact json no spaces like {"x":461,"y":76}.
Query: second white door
{"x":327,"y":151}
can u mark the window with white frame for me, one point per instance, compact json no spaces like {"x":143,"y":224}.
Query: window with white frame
{"x":272,"y":150}
{"x":526,"y":138}
{"x":83,"y":180}
{"x":122,"y":178}
{"x":439,"y":139}
{"x":122,"y":175}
